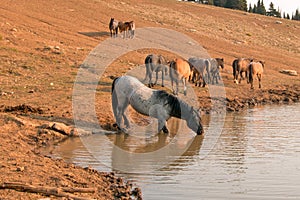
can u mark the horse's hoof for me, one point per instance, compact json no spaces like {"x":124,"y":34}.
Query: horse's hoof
{"x":116,"y":126}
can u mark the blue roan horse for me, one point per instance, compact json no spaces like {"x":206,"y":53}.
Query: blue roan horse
{"x":127,"y":90}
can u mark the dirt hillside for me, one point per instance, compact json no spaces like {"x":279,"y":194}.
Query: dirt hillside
{"x":43,"y":43}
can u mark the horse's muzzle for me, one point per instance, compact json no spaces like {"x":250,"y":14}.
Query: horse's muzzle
{"x":200,"y":131}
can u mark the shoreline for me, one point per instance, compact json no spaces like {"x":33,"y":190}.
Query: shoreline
{"x":39,"y":134}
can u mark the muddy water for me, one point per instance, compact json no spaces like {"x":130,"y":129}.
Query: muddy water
{"x":257,"y":156}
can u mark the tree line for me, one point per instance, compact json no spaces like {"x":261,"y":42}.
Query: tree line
{"x":258,"y":8}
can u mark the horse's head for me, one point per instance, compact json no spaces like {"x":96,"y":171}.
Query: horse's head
{"x":194,"y":121}
{"x":221,"y":62}
{"x":262,"y":63}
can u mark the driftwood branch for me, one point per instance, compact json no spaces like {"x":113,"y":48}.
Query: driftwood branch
{"x":58,"y":192}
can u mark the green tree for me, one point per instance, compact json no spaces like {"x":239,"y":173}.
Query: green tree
{"x":296,"y":16}
{"x":250,"y":10}
{"x":261,"y":8}
{"x":236,"y":4}
{"x":272,"y":11}
{"x":220,"y":3}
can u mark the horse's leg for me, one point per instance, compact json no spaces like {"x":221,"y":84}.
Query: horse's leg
{"x":172,"y":85}
{"x":162,"y":78}
{"x":241,"y":76}
{"x":177,"y":83}
{"x":156,"y":76}
{"x":251,"y":82}
{"x":184,"y":86}
{"x":150,"y":79}
{"x":122,"y":107}
{"x":259,"y":80}
{"x":204,"y":81}
{"x":126,"y":120}
{"x":236,"y":76}
{"x":162,"y":125}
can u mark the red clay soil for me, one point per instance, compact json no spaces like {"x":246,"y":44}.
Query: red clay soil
{"x":43,"y":43}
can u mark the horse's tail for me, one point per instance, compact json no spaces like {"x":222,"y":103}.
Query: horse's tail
{"x":250,"y":76}
{"x":234,"y":68}
{"x":148,"y":62}
{"x":114,"y":97}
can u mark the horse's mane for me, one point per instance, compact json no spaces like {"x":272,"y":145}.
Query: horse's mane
{"x":179,"y":108}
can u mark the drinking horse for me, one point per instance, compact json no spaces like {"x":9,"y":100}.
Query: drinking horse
{"x":127,"y":90}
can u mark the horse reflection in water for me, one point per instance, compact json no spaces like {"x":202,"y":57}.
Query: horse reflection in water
{"x":128,"y":90}
{"x":131,"y":154}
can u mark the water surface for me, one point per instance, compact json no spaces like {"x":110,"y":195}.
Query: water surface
{"x":257,"y":156}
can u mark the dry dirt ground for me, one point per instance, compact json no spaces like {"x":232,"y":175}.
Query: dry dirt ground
{"x":43,"y":44}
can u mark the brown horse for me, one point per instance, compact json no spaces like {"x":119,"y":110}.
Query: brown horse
{"x":256,"y":68}
{"x":128,"y":29}
{"x":239,"y":66}
{"x":180,"y":70}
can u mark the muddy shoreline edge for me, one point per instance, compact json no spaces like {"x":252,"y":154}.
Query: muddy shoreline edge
{"x":34,"y":135}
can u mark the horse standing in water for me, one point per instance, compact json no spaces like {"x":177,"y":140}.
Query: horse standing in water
{"x":180,"y":70}
{"x":256,"y":68}
{"x":239,"y":66}
{"x":113,"y":27}
{"x":155,"y":63}
{"x":127,"y":90}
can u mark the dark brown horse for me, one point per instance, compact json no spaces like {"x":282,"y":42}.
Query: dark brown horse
{"x":239,"y":66}
{"x":180,"y":70}
{"x":256,"y":68}
{"x":113,"y":27}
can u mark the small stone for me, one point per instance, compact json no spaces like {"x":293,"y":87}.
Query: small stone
{"x":20,"y":169}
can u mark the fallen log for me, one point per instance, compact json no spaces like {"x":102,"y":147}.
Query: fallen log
{"x":48,"y":191}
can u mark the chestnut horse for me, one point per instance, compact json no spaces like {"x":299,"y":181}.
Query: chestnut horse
{"x":180,"y":70}
{"x":256,"y":68}
{"x":239,"y":66}
{"x":128,"y":29}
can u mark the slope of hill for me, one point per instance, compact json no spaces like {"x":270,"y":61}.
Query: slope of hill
{"x":43,"y":44}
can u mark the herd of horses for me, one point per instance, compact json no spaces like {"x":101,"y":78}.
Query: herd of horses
{"x":128,"y":28}
{"x":128,"y":90}
{"x":250,"y":68}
